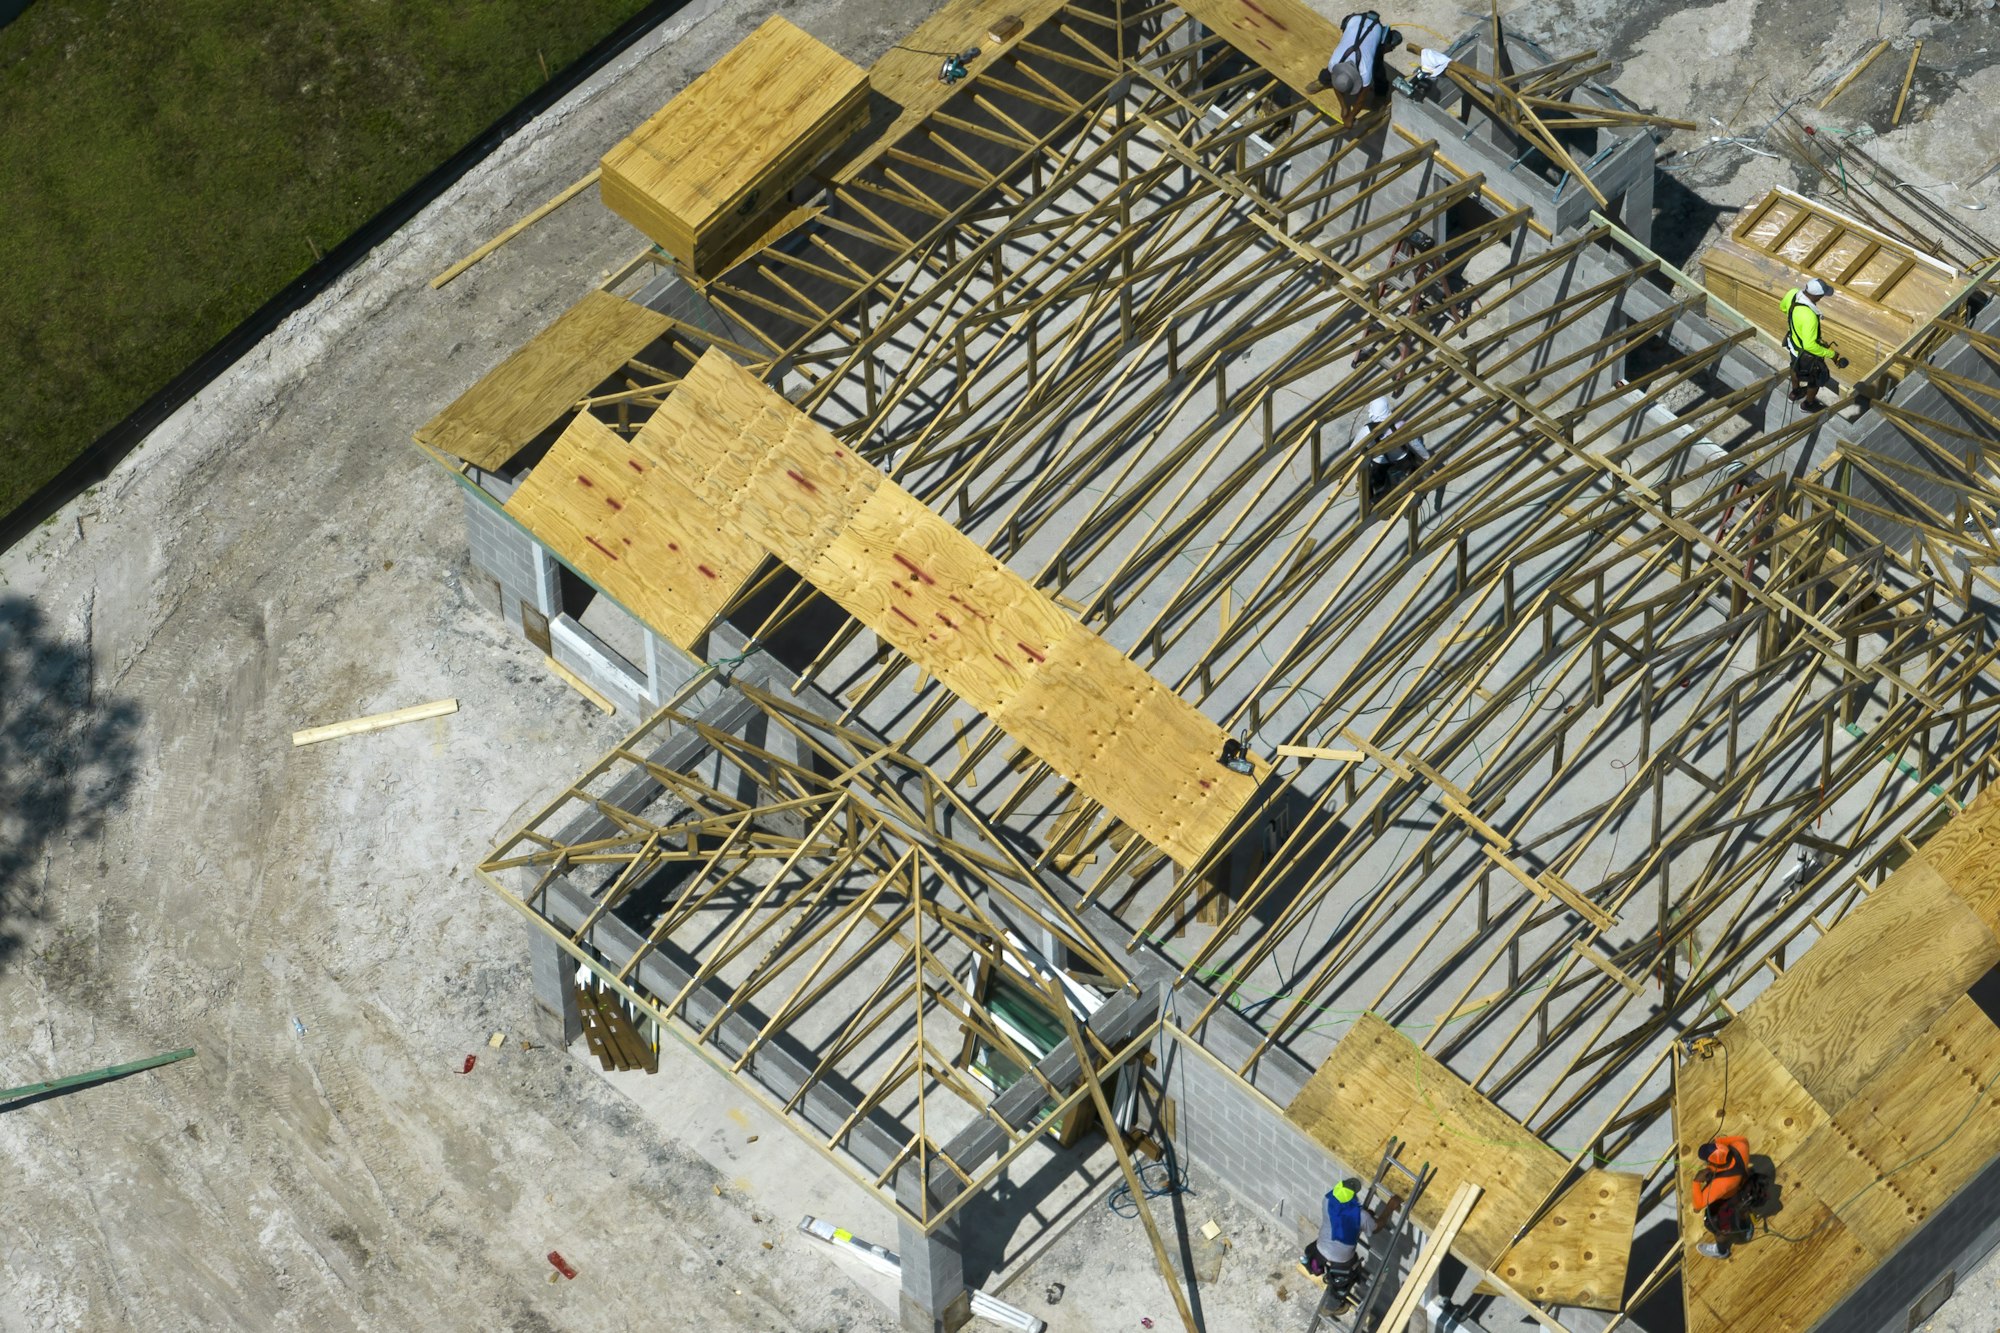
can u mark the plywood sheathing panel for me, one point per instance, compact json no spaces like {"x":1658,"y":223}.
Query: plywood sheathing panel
{"x":1966,"y":852}
{"x":629,"y":526}
{"x":1882,"y":289}
{"x":525,"y":394}
{"x":1743,"y":1082}
{"x":1940,"y":1121}
{"x":1576,"y":1255}
{"x":1284,"y":36}
{"x":1862,"y":1075}
{"x":1377,"y":1084}
{"x":1872,"y":984}
{"x":1782,"y":1283}
{"x":732,"y":143}
{"x":1131,"y":744}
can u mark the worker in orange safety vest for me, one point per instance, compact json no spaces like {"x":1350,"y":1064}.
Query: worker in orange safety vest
{"x":1718,"y":1192}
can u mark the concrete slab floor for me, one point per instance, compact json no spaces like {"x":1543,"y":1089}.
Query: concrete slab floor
{"x":277,"y":555}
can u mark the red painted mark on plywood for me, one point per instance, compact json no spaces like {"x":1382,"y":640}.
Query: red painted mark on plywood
{"x":673,"y":546}
{"x":970,"y":608}
{"x":613,"y":503}
{"x":626,"y":540}
{"x":602,"y":547}
{"x":1205,"y":783}
{"x":1001,"y":660}
{"x":838,"y":454}
{"x":904,"y":614}
{"x":803,"y":482}
{"x":706,"y":571}
{"x":635,"y":465}
{"x":1251,"y":6}
{"x":946,"y":619}
{"x":585,"y":480}
{"x":913,"y":567}
{"x":1029,"y":651}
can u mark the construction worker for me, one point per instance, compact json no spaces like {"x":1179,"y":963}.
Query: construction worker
{"x":1803,"y":342}
{"x":1357,"y":65}
{"x":1723,"y":1191}
{"x":1333,"y":1256}
{"x":1389,"y":468}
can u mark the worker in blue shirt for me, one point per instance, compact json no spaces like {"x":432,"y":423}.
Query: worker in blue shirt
{"x":1333,"y":1256}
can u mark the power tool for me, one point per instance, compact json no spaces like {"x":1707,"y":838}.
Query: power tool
{"x":955,"y":67}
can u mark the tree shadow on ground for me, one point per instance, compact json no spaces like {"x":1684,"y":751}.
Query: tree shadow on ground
{"x":67,"y":759}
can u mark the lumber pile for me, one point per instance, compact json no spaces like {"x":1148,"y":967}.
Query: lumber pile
{"x":1883,"y":290}
{"x":726,"y":152}
{"x":612,"y":1038}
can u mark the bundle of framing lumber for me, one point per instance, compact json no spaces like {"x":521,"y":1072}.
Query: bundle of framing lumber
{"x":610,"y":1033}
{"x":727,"y":151}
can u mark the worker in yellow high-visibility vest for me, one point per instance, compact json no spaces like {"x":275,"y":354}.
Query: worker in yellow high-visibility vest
{"x":1804,"y":342}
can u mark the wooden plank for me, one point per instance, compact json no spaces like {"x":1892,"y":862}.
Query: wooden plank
{"x":569,"y":192}
{"x":1425,"y":1268}
{"x":637,"y":1052}
{"x":1577,"y":1254}
{"x":579,"y":684}
{"x":525,"y":394}
{"x":1873,"y":983}
{"x":1607,"y":967}
{"x":1134,"y":746}
{"x":1782,"y":1282}
{"x":1376,"y":1084}
{"x":1966,"y":854}
{"x":374,"y":722}
{"x":1930,"y":1112}
{"x":1763,"y":1100}
{"x":1322,"y":752}
{"x":1854,"y":73}
{"x":1896,"y":116}
{"x":732,"y":142}
{"x":1284,"y":36}
{"x":635,"y":530}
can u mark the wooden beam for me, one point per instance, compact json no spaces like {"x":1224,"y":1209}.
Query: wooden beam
{"x":1411,"y":1294}
{"x":374,"y":722}
{"x":569,"y":192}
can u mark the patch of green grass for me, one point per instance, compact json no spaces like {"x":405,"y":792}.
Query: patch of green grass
{"x":166,"y":168}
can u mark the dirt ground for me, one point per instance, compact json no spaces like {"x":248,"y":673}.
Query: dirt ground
{"x":174,"y":873}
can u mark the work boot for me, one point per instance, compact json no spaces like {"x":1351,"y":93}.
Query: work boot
{"x":1812,"y":404}
{"x":1714,"y":1249}
{"x":1795,"y":393}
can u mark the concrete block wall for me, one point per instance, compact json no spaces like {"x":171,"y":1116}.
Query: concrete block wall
{"x":1623,"y":169}
{"x":1227,"y":1134}
{"x":505,"y":553}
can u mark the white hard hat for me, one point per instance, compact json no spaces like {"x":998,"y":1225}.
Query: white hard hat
{"x":1346,"y":78}
{"x":1379,"y":410}
{"x":1816,"y":289}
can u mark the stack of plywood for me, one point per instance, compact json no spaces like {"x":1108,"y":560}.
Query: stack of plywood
{"x":1883,"y":291}
{"x":727,"y":151}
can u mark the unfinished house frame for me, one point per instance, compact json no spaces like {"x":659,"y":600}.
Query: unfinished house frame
{"x":1564,"y":742}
